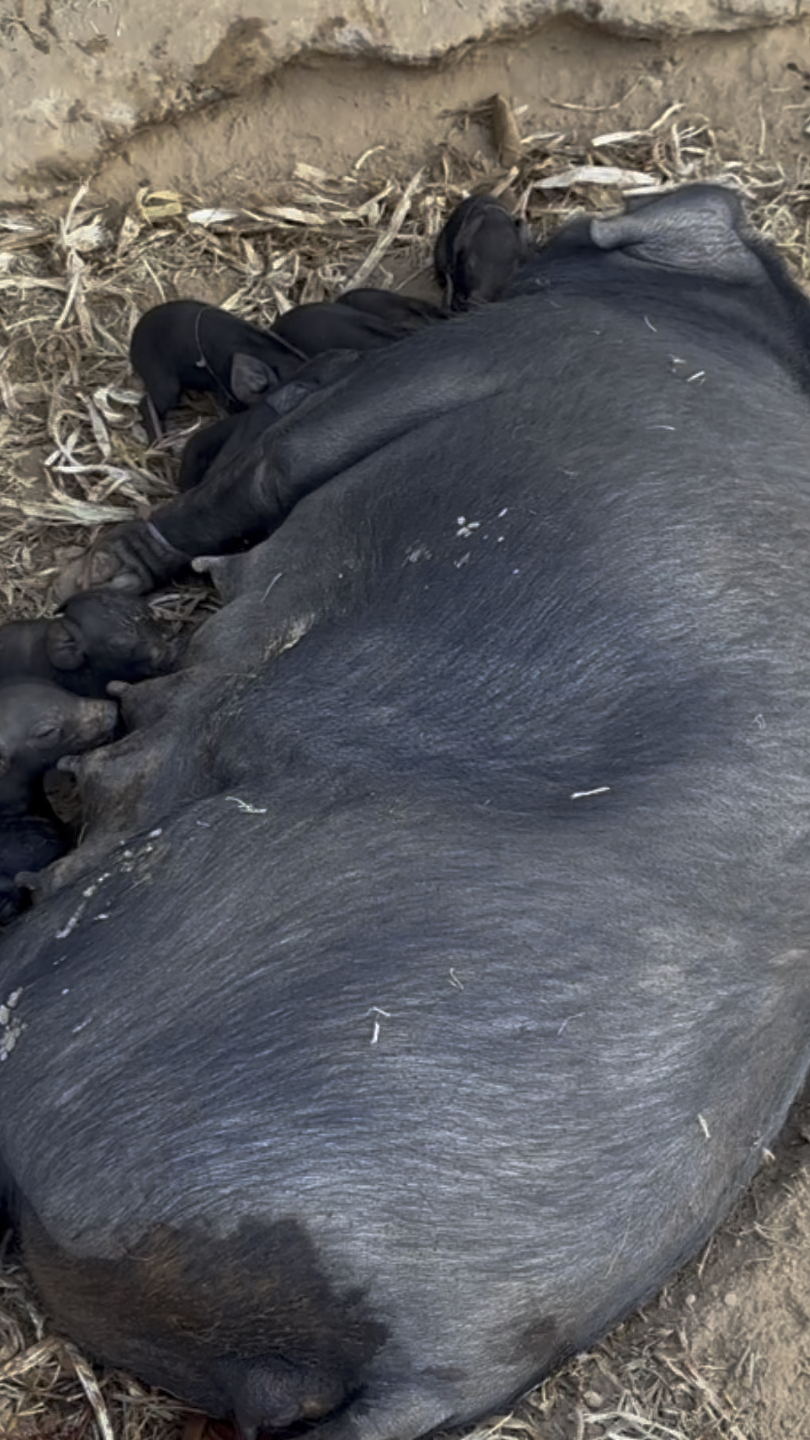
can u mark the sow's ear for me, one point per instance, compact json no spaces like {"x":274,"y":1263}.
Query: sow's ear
{"x":251,"y":378}
{"x":697,"y":230}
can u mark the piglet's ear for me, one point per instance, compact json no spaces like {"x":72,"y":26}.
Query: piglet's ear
{"x":63,"y":645}
{"x":251,"y":379}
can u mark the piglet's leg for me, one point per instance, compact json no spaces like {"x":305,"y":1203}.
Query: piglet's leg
{"x":339,"y":426}
{"x":378,"y":402}
{"x":134,"y":558}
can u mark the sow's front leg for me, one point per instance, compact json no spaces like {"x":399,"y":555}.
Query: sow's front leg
{"x":431,"y":374}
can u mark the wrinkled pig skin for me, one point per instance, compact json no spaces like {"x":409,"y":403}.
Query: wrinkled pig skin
{"x":435,"y":969}
{"x":39,"y":724}
{"x":187,"y":345}
{"x":479,"y":252}
{"x":98,"y":636}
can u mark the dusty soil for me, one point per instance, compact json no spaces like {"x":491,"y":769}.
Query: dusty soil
{"x":752,"y":88}
{"x":725,"y":1350}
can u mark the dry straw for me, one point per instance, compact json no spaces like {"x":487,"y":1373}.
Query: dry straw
{"x":73,"y":457}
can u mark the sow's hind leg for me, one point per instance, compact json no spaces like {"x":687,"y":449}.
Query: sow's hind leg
{"x":378,"y":401}
{"x":288,"y":1345}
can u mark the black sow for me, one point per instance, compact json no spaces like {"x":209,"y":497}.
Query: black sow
{"x":455,"y":970}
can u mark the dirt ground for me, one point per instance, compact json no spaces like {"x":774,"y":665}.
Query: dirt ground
{"x":725,"y":1349}
{"x":751,"y":87}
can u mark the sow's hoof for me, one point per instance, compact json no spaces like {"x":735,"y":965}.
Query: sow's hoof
{"x":132,"y":557}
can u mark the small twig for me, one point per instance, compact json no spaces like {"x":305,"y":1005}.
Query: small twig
{"x":593,"y":109}
{"x":383,"y":241}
